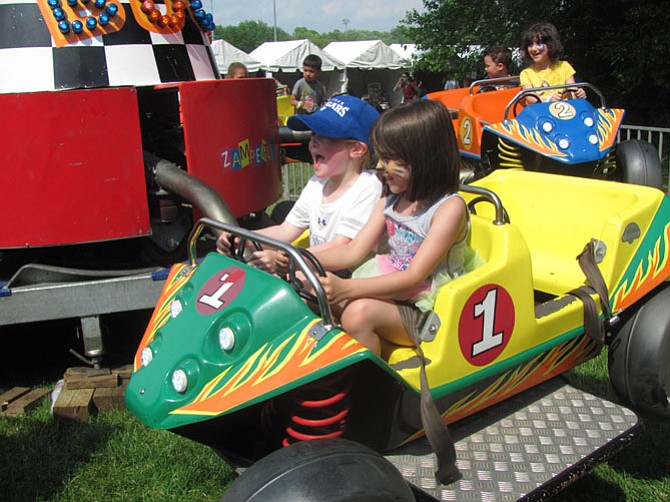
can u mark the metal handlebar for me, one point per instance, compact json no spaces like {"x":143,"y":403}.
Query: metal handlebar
{"x":298,"y":259}
{"x":491,"y":197}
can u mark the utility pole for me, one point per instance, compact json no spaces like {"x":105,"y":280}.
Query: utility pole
{"x":345,"y":22}
{"x":274,"y":9}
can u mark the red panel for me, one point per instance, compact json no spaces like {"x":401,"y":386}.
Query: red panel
{"x":72,"y":168}
{"x":231,"y":137}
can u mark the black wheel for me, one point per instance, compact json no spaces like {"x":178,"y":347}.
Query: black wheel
{"x":336,"y":470}
{"x":486,"y":88}
{"x":639,"y":356}
{"x":637,"y":162}
{"x":238,"y":249}
{"x":523,"y":103}
{"x":297,"y":284}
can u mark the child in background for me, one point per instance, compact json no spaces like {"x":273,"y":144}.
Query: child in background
{"x":427,"y":223}
{"x":541,"y":47}
{"x":497,"y":60}
{"x":339,"y":199}
{"x":308,"y":92}
{"x":237,"y":70}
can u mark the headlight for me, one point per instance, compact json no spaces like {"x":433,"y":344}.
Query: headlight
{"x":588,"y":121}
{"x":147,"y":355}
{"x":547,"y":127}
{"x":179,"y":381}
{"x":564,"y":143}
{"x":226,"y":338}
{"x":175,"y":308}
{"x":593,"y":139}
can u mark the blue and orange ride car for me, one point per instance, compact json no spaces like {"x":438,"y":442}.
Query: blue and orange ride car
{"x":498,"y":130}
{"x":235,"y":359}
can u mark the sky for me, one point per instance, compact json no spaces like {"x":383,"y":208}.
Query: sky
{"x":319,"y":15}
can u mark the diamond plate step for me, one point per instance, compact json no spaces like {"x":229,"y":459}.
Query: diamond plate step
{"x":528,"y":447}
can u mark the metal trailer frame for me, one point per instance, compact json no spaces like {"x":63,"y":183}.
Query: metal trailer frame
{"x":38,"y":293}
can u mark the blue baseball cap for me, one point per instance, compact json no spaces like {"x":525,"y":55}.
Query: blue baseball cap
{"x":342,"y":116}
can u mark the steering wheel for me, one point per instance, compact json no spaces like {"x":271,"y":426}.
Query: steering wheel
{"x":477,"y":200}
{"x":523,"y":103}
{"x":297,"y":284}
{"x":486,"y":88}
{"x":237,"y":251}
{"x":568,"y":93}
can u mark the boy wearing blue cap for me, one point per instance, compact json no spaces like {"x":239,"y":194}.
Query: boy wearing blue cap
{"x":339,"y":199}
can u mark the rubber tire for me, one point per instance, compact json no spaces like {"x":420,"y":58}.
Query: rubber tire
{"x":638,"y":163}
{"x":336,"y":470}
{"x":639,"y":359}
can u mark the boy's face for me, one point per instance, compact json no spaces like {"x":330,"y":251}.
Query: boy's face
{"x":239,"y":73}
{"x":310,"y":73}
{"x":493,"y":69}
{"x":331,"y":156}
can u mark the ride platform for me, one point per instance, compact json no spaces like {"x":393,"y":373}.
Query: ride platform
{"x":528,"y":447}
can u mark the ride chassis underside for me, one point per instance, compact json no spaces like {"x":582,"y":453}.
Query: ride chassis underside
{"x":528,"y":447}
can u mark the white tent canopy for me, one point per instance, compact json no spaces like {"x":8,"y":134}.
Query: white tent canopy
{"x":366,"y":54}
{"x":406,"y":51}
{"x":288,"y":56}
{"x":373,"y":69}
{"x":283,"y":60}
{"x":226,"y":53}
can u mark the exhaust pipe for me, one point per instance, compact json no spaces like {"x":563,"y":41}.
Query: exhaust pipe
{"x":208,"y":201}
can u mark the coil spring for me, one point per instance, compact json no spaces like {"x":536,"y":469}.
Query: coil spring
{"x":607,"y":166}
{"x":319,"y":410}
{"x":509,"y":154}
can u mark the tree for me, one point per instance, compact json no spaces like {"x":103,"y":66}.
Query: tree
{"x":248,"y":35}
{"x":618,"y":45}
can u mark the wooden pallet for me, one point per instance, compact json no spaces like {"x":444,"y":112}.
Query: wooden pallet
{"x":20,"y":400}
{"x":87,"y":391}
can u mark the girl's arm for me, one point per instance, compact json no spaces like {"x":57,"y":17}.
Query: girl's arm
{"x":353,"y":252}
{"x":447,"y":227}
{"x":579,"y":92}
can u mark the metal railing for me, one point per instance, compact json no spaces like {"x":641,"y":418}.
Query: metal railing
{"x":294,"y":178}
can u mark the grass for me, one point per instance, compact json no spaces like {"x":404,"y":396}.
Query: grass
{"x":115,"y":457}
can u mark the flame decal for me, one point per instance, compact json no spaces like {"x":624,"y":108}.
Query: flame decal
{"x":651,"y":270}
{"x":530,"y":138}
{"x":608,"y":124}
{"x":178,"y":276}
{"x":535,"y":371}
{"x":268,"y":369}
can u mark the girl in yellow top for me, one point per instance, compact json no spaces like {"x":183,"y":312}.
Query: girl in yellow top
{"x":542,"y":48}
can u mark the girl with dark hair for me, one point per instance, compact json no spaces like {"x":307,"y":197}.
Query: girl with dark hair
{"x":542,"y":49}
{"x":426,"y":223}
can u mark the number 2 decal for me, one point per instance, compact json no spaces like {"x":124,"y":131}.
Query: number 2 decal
{"x":562,"y":110}
{"x":486,"y":324}
{"x":465,"y":133}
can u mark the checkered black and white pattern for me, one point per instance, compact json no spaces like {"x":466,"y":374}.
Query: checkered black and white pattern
{"x":31,"y":62}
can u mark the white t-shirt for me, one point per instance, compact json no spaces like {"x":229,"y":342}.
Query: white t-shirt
{"x":344,"y":216}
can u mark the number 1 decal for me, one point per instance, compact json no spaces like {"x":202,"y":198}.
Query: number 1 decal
{"x":220,"y":290}
{"x":487,"y":311}
{"x":486,"y":324}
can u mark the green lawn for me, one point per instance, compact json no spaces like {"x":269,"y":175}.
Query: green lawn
{"x":115,"y":457}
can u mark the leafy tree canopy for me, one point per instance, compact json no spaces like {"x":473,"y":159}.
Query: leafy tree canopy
{"x":618,"y":45}
{"x":250,"y":34}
